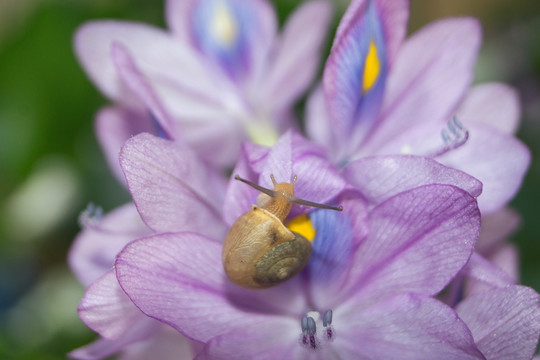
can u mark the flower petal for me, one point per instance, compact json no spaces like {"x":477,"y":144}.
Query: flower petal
{"x":171,"y":187}
{"x":355,"y":76}
{"x":93,"y":252}
{"x":418,"y":240}
{"x":381,"y":177}
{"x":113,"y":126}
{"x":498,"y":160}
{"x":275,"y":339}
{"x":179,"y":279}
{"x":403,"y":327}
{"x":317,"y":179}
{"x":337,"y":237}
{"x":154,"y":48}
{"x":429,"y":77}
{"x":505,"y":322}
{"x":493,"y":104}
{"x":236,"y":34}
{"x":107,"y":310}
{"x":496,"y":228}
{"x":297,"y":56}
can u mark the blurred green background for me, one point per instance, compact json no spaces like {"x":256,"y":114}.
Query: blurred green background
{"x":51,"y":166}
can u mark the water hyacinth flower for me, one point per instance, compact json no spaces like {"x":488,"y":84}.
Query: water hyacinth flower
{"x":220,"y":74}
{"x":124,"y":329}
{"x":383,"y":94}
{"x":373,"y":271}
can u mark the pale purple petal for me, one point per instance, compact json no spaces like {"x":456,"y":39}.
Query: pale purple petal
{"x":418,"y":241}
{"x":93,"y":252}
{"x":493,"y":104}
{"x":402,"y":327}
{"x":429,"y":78}
{"x":176,"y":71}
{"x":318,"y":124}
{"x":113,"y":126}
{"x":171,"y":187}
{"x":136,"y":82}
{"x":277,"y":338}
{"x":102,"y":347}
{"x":297,"y":54}
{"x":381,"y":177}
{"x":496,"y":228}
{"x":482,"y":270}
{"x":505,"y":323}
{"x":166,"y":344}
{"x":498,"y":160}
{"x":179,"y":279}
{"x":107,"y":310}
{"x":202,"y":125}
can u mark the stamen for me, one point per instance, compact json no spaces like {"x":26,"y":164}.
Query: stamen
{"x":454,"y":137}
{"x":91,"y":216}
{"x":327,"y":318}
{"x":328,"y":328}
{"x":309,"y":330}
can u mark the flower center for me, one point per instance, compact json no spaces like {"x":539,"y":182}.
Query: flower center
{"x":309,"y":338}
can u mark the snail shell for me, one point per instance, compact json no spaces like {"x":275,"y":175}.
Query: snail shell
{"x":259,"y":251}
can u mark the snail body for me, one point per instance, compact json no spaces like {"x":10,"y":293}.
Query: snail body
{"x":259,"y":250}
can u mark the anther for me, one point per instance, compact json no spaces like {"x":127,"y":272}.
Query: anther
{"x":453,"y":137}
{"x":327,"y":318}
{"x":309,"y":329}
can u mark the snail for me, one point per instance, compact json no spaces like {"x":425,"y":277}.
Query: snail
{"x":259,"y":251}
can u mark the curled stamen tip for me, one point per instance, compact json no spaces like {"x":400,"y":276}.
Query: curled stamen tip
{"x":445,"y":136}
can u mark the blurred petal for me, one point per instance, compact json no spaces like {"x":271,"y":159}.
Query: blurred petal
{"x":403,"y":327}
{"x":496,"y":228}
{"x":166,"y":344}
{"x":171,"y":187}
{"x":93,"y":252}
{"x":298,"y":53}
{"x":107,"y":310}
{"x":492,"y":104}
{"x":318,"y":124}
{"x":417,"y":242}
{"x":498,"y":160}
{"x":355,"y":75}
{"x":430,"y":76}
{"x":151,"y":46}
{"x":382,"y":177}
{"x":179,"y":279}
{"x":482,"y":270}
{"x":236,"y":34}
{"x":505,"y":323}
{"x":113,"y":126}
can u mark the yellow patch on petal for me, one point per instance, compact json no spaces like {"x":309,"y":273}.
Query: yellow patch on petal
{"x":224,"y":27}
{"x":372,"y":68}
{"x":302,"y":225}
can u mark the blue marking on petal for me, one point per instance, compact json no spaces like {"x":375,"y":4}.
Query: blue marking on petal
{"x":332,"y":246}
{"x":220,"y":30}
{"x":160,"y":132}
{"x":355,"y":93}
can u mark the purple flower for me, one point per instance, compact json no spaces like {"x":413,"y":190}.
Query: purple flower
{"x":366,"y":292}
{"x":382,"y":94}
{"x":219,"y":75}
{"x":105,"y":308}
